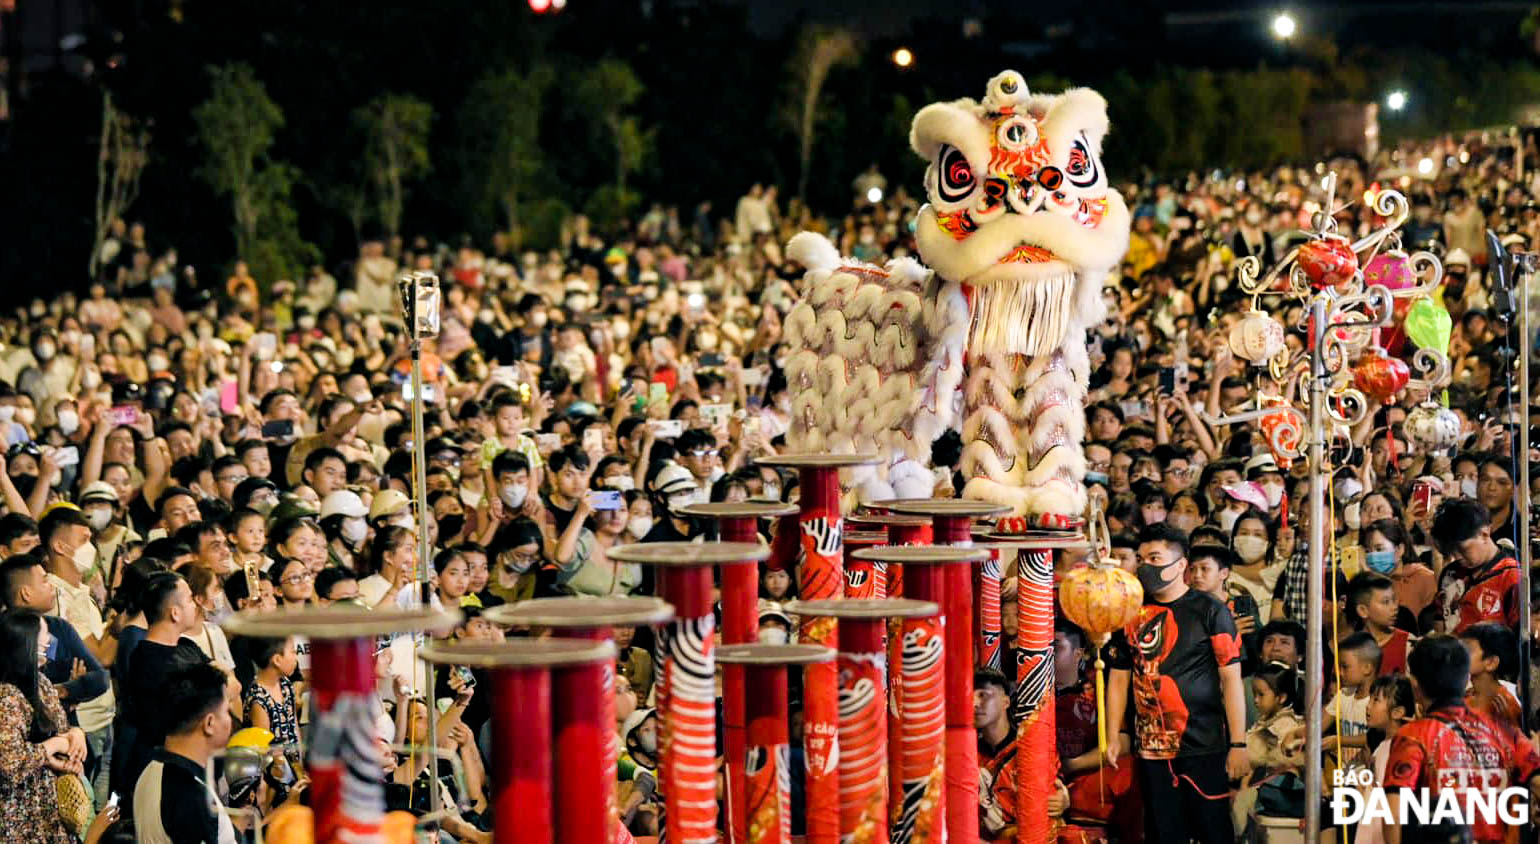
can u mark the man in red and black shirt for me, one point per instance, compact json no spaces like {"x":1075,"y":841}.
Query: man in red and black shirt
{"x":1481,"y":581}
{"x":1182,"y":660}
{"x":1453,"y":746}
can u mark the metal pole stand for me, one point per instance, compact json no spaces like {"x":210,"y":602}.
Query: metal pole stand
{"x":342,"y":737}
{"x":686,"y":689}
{"x":864,"y":738}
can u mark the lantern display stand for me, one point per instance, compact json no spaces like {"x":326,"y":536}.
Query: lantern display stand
{"x":1361,"y":299}
{"x":864,"y":678}
{"x":344,"y":704}
{"x":816,"y":547}
{"x":930,"y":574}
{"x":686,"y":686}
{"x":766,"y":760}
{"x":548,"y":782}
{"x":739,"y":587}
{"x":593,"y":619}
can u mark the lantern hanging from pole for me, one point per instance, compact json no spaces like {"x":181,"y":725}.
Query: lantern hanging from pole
{"x":1433,"y":427}
{"x":1380,"y":375}
{"x":1328,"y":261}
{"x":1100,"y":598}
{"x":1257,"y":337}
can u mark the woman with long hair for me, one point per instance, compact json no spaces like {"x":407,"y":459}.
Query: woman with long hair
{"x":36,"y":741}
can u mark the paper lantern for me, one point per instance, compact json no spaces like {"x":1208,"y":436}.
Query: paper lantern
{"x":1391,"y":269}
{"x":1100,"y":598}
{"x":1328,"y":261}
{"x":1257,"y":337}
{"x":1429,"y":326}
{"x":1282,"y":432}
{"x":1433,"y":427}
{"x":1381,"y":376}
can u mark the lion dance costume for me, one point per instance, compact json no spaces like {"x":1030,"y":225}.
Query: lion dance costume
{"x":986,"y":333}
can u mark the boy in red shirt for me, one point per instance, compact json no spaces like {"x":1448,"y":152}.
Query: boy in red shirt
{"x":1481,"y":581}
{"x":1452,"y":746}
{"x":1372,"y":605}
{"x":1494,"y":652}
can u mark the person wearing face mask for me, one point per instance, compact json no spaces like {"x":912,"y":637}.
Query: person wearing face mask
{"x":1254,"y":571}
{"x":99,"y":505}
{"x":1385,"y":548}
{"x":517,"y":572}
{"x":674,"y":488}
{"x":345,"y":522}
{"x":1262,"y":469}
{"x":1190,"y":711}
{"x":212,"y":609}
{"x":1185,"y":512}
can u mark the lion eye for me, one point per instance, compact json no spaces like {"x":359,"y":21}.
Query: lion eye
{"x":957,"y":179}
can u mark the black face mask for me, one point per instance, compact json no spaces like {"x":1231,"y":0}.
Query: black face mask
{"x":450,"y":526}
{"x":1153,"y":578}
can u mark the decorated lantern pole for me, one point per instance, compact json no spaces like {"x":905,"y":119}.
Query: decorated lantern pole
{"x":737,"y":522}
{"x":592,"y":619}
{"x":549,"y":778}
{"x":930,"y":575}
{"x":686,"y":688}
{"x":864,"y":677}
{"x":1362,"y":303}
{"x":766,"y":756}
{"x":820,"y":527}
{"x":899,"y":529}
{"x":344,"y":705}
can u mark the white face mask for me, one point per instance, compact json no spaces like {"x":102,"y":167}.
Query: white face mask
{"x":623,"y":483}
{"x":26,"y":415}
{"x":157,"y":363}
{"x":7,"y":412}
{"x":513,"y":495}
{"x":85,"y":558}
{"x":1227,"y":519}
{"x":91,"y":379}
{"x":99,"y":517}
{"x":771,"y":492}
{"x":1351,"y":515}
{"x":638,"y":526}
{"x":69,"y":422}
{"x":353,"y":531}
{"x":1467,"y":487}
{"x":1250,"y":548}
{"x":680,"y":501}
{"x":1274,"y":493}
{"x":45,"y":351}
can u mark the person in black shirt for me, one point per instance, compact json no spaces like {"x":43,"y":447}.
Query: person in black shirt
{"x":569,"y":470}
{"x":1182,"y":659}
{"x":167,"y":603}
{"x":172,"y":803}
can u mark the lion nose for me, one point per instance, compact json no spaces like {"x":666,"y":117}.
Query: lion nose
{"x":1050,"y":177}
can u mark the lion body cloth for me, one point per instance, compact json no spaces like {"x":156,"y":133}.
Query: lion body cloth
{"x":987,"y":335}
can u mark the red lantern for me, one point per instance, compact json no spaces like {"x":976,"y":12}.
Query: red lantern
{"x":1282,"y":432}
{"x":1328,"y":261}
{"x":1381,"y":376}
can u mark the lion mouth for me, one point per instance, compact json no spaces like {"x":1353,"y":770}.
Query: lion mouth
{"x":1026,"y":253}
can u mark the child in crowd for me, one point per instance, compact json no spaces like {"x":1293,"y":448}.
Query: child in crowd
{"x":1392,"y":703}
{"x":1493,"y":658}
{"x":1347,"y":713}
{"x":1372,"y":606}
{"x":1273,"y":788}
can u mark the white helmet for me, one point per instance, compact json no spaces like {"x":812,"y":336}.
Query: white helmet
{"x":343,"y":502}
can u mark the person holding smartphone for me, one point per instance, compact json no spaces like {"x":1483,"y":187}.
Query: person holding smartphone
{"x":583,"y":567}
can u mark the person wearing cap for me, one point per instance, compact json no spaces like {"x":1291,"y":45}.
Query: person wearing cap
{"x":99,"y":505}
{"x":345,"y":521}
{"x":775,"y":626}
{"x":673,"y":489}
{"x":391,"y":507}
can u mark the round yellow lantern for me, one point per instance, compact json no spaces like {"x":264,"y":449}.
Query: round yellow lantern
{"x":1099,"y":598}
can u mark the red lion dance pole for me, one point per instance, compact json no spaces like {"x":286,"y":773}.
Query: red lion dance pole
{"x":738,"y":522}
{"x":686,"y":686}
{"x":820,"y":525}
{"x":864,"y":676}
{"x":767,"y":757}
{"x":591,"y":619}
{"x":347,"y":807}
{"x":548,"y":773}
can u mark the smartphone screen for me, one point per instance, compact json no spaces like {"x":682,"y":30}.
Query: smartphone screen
{"x":607,"y":499}
{"x":66,"y":456}
{"x":279,"y":428}
{"x":1167,"y":380}
{"x":125,"y":415}
{"x":593,"y":440}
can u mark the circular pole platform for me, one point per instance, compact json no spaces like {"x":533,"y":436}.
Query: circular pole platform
{"x":566,"y":613}
{"x":740,"y":510}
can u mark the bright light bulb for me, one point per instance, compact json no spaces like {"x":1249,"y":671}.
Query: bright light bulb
{"x":1396,"y":101}
{"x":874,"y":195}
{"x":903,"y":57}
{"x":1284,"y":26}
{"x":1425,"y":166}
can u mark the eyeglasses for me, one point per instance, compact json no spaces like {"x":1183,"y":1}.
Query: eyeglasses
{"x":522,"y":558}
{"x":705,"y":452}
{"x":296,"y":579}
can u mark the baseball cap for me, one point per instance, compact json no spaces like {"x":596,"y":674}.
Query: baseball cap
{"x":1457,"y":256}
{"x":1260,"y":464}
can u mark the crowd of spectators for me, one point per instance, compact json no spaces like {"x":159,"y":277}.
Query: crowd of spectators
{"x":178,"y":450}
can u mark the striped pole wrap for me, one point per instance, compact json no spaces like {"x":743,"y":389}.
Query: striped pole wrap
{"x":822,"y":530}
{"x":1032,"y":707}
{"x":989,"y":577}
{"x":767,"y":765}
{"x":900,"y":533}
{"x":347,"y":793}
{"x":687,"y":697}
{"x":919,"y":817}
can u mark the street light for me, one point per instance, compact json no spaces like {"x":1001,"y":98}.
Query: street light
{"x":1396,"y":100}
{"x":874,"y":195}
{"x":1284,"y":26}
{"x":903,"y":57}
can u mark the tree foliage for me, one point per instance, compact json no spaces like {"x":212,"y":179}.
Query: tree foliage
{"x":123,"y":150}
{"x":237,"y":126}
{"x":501,"y":156}
{"x":606,"y":93}
{"x":395,"y":130}
{"x":819,"y":50}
